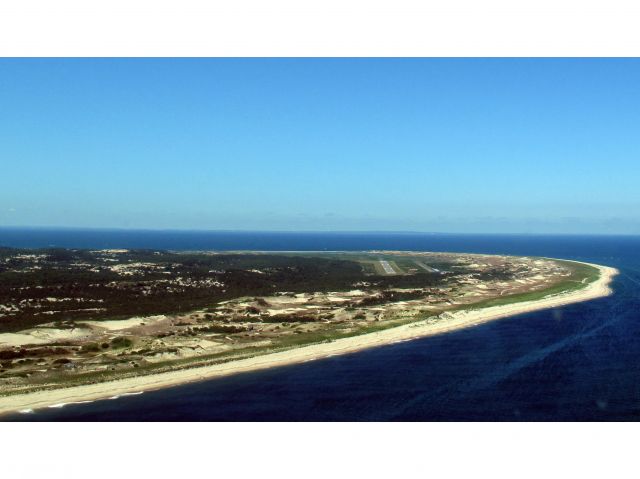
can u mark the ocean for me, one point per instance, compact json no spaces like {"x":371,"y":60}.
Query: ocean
{"x":576,"y":363}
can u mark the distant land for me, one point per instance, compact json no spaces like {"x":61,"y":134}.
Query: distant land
{"x":82,"y":324}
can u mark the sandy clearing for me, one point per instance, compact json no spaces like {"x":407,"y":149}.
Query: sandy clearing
{"x":42,"y":336}
{"x":117,"y":325}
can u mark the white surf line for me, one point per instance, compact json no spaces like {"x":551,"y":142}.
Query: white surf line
{"x":63,"y":404}
{"x":118,"y":396}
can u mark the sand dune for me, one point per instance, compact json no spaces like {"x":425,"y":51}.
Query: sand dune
{"x":457,"y":320}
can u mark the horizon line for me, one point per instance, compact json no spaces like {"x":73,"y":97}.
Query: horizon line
{"x":266,"y":231}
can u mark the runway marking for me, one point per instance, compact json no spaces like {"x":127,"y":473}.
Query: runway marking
{"x":387,"y":267}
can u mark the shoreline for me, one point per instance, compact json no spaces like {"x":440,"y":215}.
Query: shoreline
{"x":458,"y":320}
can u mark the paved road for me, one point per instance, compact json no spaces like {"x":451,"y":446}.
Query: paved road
{"x":387,"y":267}
{"x":428,"y":268}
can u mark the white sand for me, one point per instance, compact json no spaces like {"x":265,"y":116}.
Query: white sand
{"x":119,"y":324}
{"x":457,"y":320}
{"x":43,"y":336}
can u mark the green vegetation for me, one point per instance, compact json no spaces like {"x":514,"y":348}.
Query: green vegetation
{"x":76,"y":285}
{"x":581,"y":275}
{"x":265,"y":315}
{"x":121,"y":342}
{"x":91,"y":348}
{"x":286,"y":343}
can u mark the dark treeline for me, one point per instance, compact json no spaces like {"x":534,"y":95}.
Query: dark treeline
{"x":167,"y":282}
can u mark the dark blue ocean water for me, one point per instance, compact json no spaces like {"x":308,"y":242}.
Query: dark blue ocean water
{"x":579,"y":362}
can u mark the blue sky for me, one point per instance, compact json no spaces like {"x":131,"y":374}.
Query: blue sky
{"x":463,"y":145}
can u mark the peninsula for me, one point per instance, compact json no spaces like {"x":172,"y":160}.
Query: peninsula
{"x":81,"y":325}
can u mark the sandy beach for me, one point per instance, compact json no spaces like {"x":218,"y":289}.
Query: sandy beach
{"x":457,"y":320}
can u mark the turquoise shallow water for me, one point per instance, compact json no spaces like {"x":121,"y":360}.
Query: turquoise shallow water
{"x":579,"y":362}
